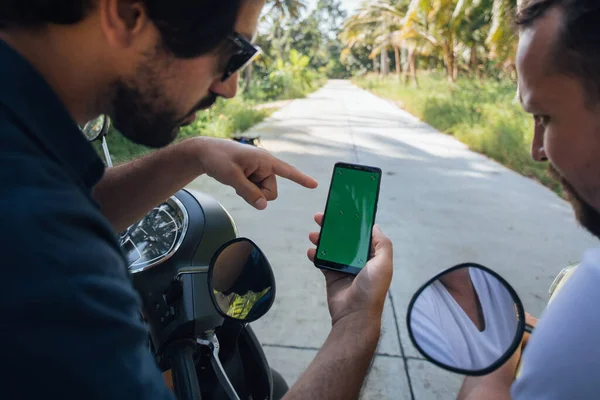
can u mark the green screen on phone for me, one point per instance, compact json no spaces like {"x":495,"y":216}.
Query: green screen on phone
{"x":349,"y":217}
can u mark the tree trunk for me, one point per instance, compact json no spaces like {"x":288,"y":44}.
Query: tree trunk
{"x":449,"y":61}
{"x":412,"y":66}
{"x":375,"y":64}
{"x":248,"y":76}
{"x":398,"y":62}
{"x":405,"y":56}
{"x":278,"y":41}
{"x":473,"y":60}
{"x":385,"y":63}
{"x":455,"y":71}
{"x":449,"y":66}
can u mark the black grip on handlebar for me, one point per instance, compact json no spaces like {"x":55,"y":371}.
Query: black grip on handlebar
{"x":183,"y":368}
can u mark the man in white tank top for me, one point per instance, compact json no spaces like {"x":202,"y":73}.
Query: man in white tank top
{"x":466,"y":319}
{"x":558,"y":64}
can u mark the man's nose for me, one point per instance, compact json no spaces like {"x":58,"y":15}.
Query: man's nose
{"x":537,"y":144}
{"x":227,"y":89}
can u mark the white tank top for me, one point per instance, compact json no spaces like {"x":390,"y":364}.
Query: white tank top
{"x":445,"y":332}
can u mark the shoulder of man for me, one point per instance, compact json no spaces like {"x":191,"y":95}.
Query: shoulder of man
{"x":562,"y":356}
{"x":47,"y":214}
{"x":69,"y":311}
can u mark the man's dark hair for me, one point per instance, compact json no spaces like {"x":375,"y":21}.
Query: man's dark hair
{"x":189,"y":28}
{"x":577,"y":50}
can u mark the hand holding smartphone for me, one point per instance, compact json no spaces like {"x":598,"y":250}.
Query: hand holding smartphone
{"x":345,"y":240}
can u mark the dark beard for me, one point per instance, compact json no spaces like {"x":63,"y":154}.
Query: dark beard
{"x":587,"y":215}
{"x":135,"y":114}
{"x":140,"y":109}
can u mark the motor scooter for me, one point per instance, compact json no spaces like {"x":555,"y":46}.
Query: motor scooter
{"x":201,"y":285}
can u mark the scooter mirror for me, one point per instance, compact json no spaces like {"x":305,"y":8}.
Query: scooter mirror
{"x":96,"y":128}
{"x":467,"y":320}
{"x":241,"y":281}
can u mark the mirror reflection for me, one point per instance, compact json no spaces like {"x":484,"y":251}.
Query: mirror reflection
{"x":466,"y":319}
{"x":242,"y":281}
{"x":93,"y":129}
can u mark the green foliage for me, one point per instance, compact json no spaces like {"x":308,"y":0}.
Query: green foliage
{"x":225,"y":118}
{"x":286,"y":8}
{"x":296,"y":54}
{"x":291,"y":79}
{"x":284,"y":37}
{"x":484,"y":114}
{"x":320,"y":31}
{"x":273,"y":78}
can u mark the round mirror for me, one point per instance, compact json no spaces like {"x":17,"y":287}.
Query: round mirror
{"x":241,"y":281}
{"x":96,"y":128}
{"x":466,"y":319}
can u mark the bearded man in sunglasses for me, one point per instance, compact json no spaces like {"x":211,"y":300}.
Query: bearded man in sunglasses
{"x":70,"y":324}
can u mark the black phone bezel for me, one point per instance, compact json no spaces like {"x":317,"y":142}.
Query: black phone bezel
{"x":337,"y":267}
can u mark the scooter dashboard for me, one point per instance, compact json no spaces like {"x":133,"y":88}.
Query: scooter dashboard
{"x":156,"y":237}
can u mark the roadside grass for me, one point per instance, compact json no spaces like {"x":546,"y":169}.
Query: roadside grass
{"x":483,"y":114}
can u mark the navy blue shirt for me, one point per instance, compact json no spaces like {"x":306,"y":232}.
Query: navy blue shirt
{"x":69,"y":319}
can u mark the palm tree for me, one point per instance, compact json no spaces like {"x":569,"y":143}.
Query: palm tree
{"x":379,"y":21}
{"x":278,"y":12}
{"x":391,"y":19}
{"x":463,"y":34}
{"x":473,"y":30}
{"x":290,"y":9}
{"x":359,"y":31}
{"x":281,"y":11}
{"x":438,"y":22}
{"x":502,"y":38}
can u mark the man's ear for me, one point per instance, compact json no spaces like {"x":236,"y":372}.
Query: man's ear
{"x":123,"y":21}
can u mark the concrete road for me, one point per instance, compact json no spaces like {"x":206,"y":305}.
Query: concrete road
{"x":440,"y":203}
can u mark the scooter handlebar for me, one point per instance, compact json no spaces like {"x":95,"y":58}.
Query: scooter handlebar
{"x":183,"y":368}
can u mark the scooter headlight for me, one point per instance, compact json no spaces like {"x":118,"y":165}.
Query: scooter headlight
{"x":156,"y":237}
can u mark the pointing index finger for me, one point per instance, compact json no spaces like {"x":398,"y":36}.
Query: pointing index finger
{"x":287,"y":171}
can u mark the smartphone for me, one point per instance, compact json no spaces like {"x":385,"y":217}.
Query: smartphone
{"x":345,"y":241}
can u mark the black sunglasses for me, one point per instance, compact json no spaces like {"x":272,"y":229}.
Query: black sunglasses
{"x":245,"y":53}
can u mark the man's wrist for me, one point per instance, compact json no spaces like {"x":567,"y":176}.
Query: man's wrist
{"x":367,"y":324}
{"x":193,"y":151}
